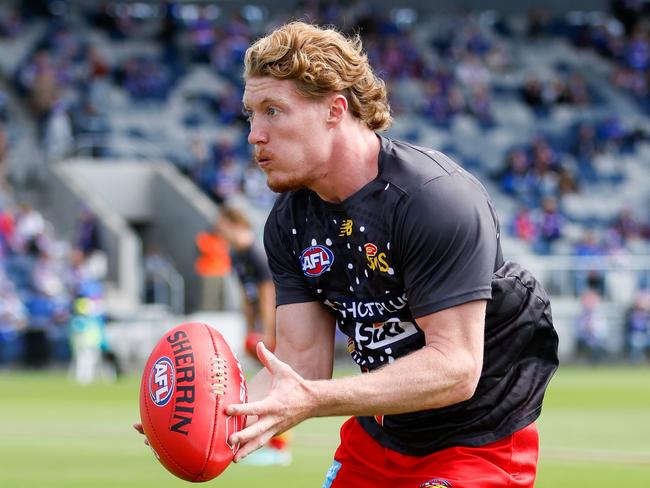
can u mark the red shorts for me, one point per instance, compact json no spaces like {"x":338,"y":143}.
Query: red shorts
{"x":361,"y":462}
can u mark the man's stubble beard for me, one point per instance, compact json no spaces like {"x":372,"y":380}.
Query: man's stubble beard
{"x":284,"y":186}
{"x":290,"y":183}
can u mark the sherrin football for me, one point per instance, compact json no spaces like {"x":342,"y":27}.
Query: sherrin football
{"x":190,"y":377}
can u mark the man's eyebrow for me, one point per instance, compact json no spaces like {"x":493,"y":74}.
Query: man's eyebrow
{"x":267,"y":101}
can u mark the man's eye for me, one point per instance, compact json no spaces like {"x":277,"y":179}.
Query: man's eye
{"x":272,"y":111}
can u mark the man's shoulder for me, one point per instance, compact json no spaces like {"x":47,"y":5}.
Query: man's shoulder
{"x":408,"y":166}
{"x":288,"y":207}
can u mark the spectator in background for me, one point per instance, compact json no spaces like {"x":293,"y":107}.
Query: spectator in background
{"x":249,"y":262}
{"x":212,"y":264}
{"x":576,"y":90}
{"x":86,"y":335}
{"x":517,"y":180}
{"x":626,"y":225}
{"x":202,"y":36}
{"x":637,"y":51}
{"x":436,"y":104}
{"x":202,"y":165}
{"x":39,"y":79}
{"x":87,"y":232}
{"x":258,"y":306}
{"x":637,"y":328}
{"x":228,"y":182}
{"x":58,"y":141}
{"x":539,"y":23}
{"x":479,"y":105}
{"x":48,"y":313}
{"x":589,"y":250}
{"x":549,"y":224}
{"x":533,"y":95}
{"x":591,"y":328}
{"x":585,"y":150}
{"x":7,"y":226}
{"x":13,"y":320}
{"x":472,"y":73}
{"x":29,"y":224}
{"x":157,"y":272}
{"x":523,"y":226}
{"x":629,"y":12}
{"x":87,"y":263}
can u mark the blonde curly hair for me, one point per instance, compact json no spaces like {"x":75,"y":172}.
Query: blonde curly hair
{"x":322,"y":61}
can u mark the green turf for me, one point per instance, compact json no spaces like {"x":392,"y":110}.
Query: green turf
{"x":595,"y":431}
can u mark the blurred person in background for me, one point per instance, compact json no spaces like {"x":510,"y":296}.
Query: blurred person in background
{"x":637,"y":328}
{"x":258,"y":305}
{"x":588,"y":252}
{"x":549,"y":223}
{"x":86,"y":335}
{"x":13,"y":320}
{"x":58,"y":141}
{"x":212,"y":264}
{"x":591,"y":328}
{"x":157,"y":270}
{"x":250,"y":265}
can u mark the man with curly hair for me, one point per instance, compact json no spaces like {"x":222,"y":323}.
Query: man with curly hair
{"x":399,"y":247}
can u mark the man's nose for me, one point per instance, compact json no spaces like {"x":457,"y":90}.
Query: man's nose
{"x":257,"y":134}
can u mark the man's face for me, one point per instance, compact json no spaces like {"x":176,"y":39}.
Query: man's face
{"x":289,"y":133}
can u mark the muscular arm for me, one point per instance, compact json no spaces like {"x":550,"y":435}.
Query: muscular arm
{"x":266,"y":292}
{"x":304,"y":341}
{"x":444,"y":372}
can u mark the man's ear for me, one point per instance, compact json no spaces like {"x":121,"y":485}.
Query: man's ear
{"x":337,"y":109}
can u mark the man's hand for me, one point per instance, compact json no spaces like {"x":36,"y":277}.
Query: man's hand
{"x":139,"y":428}
{"x":289,"y":401}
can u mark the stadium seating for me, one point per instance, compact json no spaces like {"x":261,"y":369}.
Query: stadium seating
{"x":162,"y":82}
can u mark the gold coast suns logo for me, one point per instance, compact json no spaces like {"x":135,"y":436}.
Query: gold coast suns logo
{"x":376,"y":260}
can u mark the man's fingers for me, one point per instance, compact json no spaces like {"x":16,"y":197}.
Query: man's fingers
{"x":253,"y":444}
{"x":261,"y":351}
{"x":248,"y":409}
{"x":140,"y":429}
{"x":251,"y":431}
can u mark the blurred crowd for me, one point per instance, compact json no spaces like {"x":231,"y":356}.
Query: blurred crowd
{"x":42,"y":280}
{"x":441,"y":71}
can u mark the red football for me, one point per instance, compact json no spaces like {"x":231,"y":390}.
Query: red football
{"x":190,"y":377}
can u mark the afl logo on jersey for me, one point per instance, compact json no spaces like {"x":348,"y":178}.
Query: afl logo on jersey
{"x":316,"y":260}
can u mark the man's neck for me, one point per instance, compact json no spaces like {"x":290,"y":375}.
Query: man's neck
{"x":353,"y":164}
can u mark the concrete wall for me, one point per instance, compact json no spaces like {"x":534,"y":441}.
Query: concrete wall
{"x":67,"y":195}
{"x":125,"y":185}
{"x":179,"y":213}
{"x":153,"y":194}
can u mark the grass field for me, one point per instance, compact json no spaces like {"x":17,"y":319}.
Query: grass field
{"x":595,"y":431}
